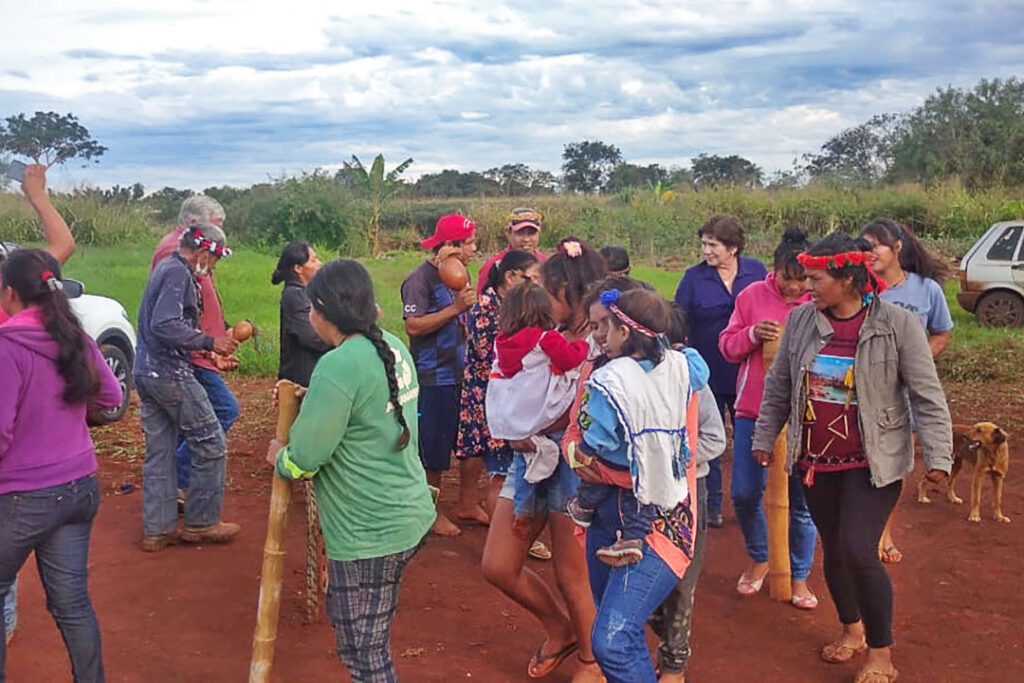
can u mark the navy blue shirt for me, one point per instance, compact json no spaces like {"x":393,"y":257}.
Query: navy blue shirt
{"x":168,"y":328}
{"x":440,"y":355}
{"x":708,"y":305}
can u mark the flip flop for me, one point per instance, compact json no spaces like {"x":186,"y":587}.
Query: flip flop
{"x":541,"y":665}
{"x":891,"y":555}
{"x":889,"y":676}
{"x":839,"y":649}
{"x":539,"y":551}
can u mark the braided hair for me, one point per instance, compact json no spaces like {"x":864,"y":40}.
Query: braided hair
{"x":342,"y":292}
{"x":34,"y":275}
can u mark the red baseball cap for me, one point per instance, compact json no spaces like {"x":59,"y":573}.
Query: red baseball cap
{"x":450,"y":228}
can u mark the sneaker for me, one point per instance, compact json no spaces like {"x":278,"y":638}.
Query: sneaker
{"x":158,"y":542}
{"x":622,"y":552}
{"x":221,"y":532}
{"x":579,"y":514}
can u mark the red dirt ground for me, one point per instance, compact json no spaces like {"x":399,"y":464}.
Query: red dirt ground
{"x":188,"y":613}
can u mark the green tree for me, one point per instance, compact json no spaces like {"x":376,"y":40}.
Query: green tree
{"x":976,"y":136}
{"x":378,"y":188}
{"x":587,"y":166}
{"x":711,"y":170}
{"x":627,"y":175}
{"x":514,"y":179}
{"x":856,"y":156}
{"x":49,"y":138}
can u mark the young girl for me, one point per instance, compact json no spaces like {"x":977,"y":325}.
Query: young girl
{"x":52,"y":373}
{"x":614,"y":437}
{"x":759,"y":316}
{"x":529,"y":388}
{"x":914,"y":277}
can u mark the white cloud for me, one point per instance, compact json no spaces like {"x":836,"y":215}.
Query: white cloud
{"x":251,"y":89}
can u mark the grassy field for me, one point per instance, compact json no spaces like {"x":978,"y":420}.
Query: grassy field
{"x":975,"y":353}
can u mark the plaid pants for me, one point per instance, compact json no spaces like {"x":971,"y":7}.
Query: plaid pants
{"x":361,"y":599}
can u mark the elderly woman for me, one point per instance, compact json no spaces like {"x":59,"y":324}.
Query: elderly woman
{"x":708,"y":294}
{"x":852,"y":361}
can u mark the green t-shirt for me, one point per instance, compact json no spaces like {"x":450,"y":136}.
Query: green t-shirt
{"x":373,"y":500}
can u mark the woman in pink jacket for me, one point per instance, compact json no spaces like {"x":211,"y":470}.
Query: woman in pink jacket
{"x":760,"y":313}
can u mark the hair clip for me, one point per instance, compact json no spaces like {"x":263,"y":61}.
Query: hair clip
{"x":609,"y":297}
{"x":51,"y":281}
{"x":572,"y":248}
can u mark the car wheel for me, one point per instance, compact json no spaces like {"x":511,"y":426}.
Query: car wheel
{"x":117,"y":361}
{"x":1001,"y":309}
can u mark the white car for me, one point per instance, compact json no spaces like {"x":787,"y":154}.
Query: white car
{"x":106,"y":321}
{"x":992,"y":276}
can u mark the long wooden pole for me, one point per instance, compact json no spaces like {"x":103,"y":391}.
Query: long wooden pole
{"x":776,"y":504}
{"x":272,"y":575}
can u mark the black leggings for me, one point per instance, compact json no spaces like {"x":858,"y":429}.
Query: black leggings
{"x":850,"y":514}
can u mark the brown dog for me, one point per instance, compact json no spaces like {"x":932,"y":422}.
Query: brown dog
{"x":986,"y":446}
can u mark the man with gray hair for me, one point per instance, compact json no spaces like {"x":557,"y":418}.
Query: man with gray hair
{"x":174,"y":403}
{"x":195,"y":210}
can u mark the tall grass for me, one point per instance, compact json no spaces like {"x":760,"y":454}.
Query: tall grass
{"x":975,"y":353}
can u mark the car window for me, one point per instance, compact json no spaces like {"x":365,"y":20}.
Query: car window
{"x":1006,"y":245}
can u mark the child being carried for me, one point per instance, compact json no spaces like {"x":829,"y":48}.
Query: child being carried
{"x":529,"y":388}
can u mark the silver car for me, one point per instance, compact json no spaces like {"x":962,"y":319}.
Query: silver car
{"x":992,"y":276}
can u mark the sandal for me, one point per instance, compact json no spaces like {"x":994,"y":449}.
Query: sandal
{"x":891,"y":555}
{"x":541,"y":665}
{"x":746,"y":586}
{"x":867,"y":674}
{"x":840,"y":653}
{"x":588,"y":671}
{"x":539,"y":551}
{"x":809,"y":601}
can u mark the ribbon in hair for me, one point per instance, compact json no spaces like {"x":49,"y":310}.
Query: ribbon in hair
{"x":51,"y":281}
{"x":609,"y":299}
{"x":206,"y":244}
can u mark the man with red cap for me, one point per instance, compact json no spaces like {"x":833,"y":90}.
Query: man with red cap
{"x":437,"y":341}
{"x":522,"y":232}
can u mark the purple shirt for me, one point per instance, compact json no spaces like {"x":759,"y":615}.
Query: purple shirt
{"x":43,"y":441}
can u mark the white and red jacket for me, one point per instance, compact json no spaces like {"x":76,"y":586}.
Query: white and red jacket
{"x":759,"y":301}
{"x":529,"y":388}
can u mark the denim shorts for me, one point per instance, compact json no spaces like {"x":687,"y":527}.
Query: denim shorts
{"x":546,"y":496}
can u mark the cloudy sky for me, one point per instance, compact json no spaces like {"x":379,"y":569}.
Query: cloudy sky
{"x":192,"y":93}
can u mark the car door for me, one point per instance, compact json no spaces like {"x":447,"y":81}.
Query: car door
{"x":997,"y":263}
{"x":1017,"y":267}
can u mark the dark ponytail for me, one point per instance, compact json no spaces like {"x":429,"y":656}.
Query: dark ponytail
{"x":296,"y":253}
{"x":914,"y":257}
{"x":512,"y":261}
{"x":794,"y":242}
{"x":342,"y":292}
{"x":34,"y":275}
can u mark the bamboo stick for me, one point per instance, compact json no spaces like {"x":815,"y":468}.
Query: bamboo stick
{"x":272,"y":576}
{"x":776,"y":503}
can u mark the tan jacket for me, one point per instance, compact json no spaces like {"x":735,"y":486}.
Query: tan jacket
{"x":892,"y":361}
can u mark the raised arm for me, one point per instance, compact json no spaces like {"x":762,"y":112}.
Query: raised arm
{"x":59,"y":241}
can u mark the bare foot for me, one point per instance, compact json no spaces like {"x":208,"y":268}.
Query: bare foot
{"x":672,"y":678}
{"x":471,"y":513}
{"x":444,"y":527}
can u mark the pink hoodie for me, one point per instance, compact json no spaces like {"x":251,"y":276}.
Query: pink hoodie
{"x":759,"y":301}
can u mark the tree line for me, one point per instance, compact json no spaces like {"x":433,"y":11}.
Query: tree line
{"x":973,"y":136}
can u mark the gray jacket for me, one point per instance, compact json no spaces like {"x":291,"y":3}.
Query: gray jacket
{"x":710,"y":431}
{"x":892,"y":361}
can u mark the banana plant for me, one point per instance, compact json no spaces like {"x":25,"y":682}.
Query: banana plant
{"x":378,"y":187}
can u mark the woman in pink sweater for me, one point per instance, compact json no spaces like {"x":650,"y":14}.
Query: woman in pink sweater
{"x":759,"y":315}
{"x":51,"y":372}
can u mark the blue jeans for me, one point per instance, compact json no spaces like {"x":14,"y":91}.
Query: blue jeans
{"x":625,"y":598}
{"x":748,"y":482}
{"x":11,"y":609}
{"x":544,"y":497}
{"x":714,"y":479}
{"x":225,"y":407}
{"x":171,"y":408}
{"x":56,"y":522}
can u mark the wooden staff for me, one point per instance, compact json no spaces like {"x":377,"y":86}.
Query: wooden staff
{"x":776,"y":504}
{"x":273,"y":550}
